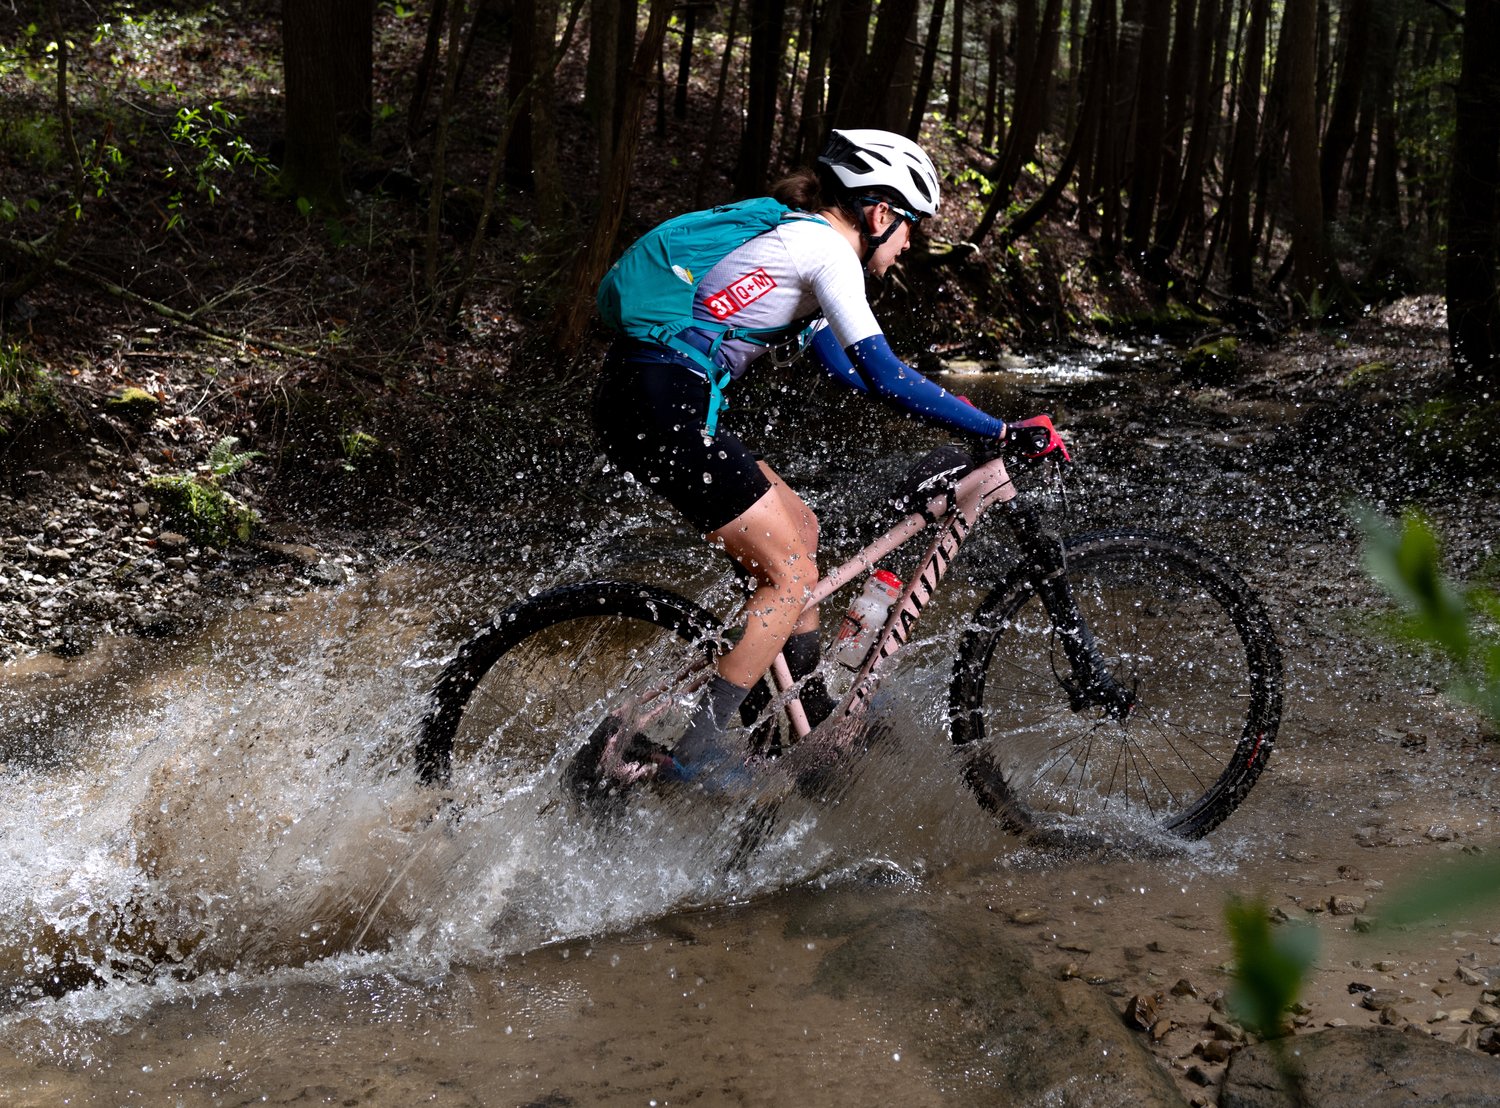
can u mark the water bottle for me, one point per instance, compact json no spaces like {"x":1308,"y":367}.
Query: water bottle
{"x":866,"y":617}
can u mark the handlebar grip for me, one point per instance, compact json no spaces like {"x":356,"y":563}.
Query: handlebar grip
{"x":1034,"y":438}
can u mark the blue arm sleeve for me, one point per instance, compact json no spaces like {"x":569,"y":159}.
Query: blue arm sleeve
{"x":830,"y":355}
{"x":891,"y":379}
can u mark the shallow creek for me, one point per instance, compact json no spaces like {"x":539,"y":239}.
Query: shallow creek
{"x":219,"y":884}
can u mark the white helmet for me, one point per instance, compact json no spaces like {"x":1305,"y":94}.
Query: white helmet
{"x":867,"y":159}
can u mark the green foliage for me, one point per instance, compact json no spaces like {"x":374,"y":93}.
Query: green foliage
{"x":358,"y":446}
{"x":26,"y":389}
{"x":1458,"y":622}
{"x":1270,"y":966}
{"x":133,"y":402}
{"x":210,"y":138}
{"x":225,"y":461}
{"x":198,"y":505}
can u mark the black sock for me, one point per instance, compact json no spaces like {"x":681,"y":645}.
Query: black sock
{"x":801,"y":652}
{"x":704,"y":736}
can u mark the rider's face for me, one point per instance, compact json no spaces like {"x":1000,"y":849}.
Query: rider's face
{"x":893,"y":247}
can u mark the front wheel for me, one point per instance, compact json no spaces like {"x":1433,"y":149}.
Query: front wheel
{"x":1196,"y":672}
{"x":547,"y":673}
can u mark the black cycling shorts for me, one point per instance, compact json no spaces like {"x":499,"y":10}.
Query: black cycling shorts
{"x":649,"y":413}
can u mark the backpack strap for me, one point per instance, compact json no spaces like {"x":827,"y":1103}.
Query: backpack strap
{"x":718,"y":377}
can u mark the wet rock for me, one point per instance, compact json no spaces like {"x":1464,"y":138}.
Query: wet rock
{"x":1471,"y":977}
{"x":1199,"y":1076}
{"x":1363,"y":1068}
{"x":1217,"y":1051}
{"x":1225,"y":1028}
{"x":1485,"y":1013}
{"x":171,"y":540}
{"x":1184,"y":987}
{"x":1377,"y":1000}
{"x":288,"y":552}
{"x":1346,"y":905}
{"x":1026,"y":915}
{"x":1141,"y":1012}
{"x":327,"y":573}
{"x":1488,"y":1040}
{"x":993,"y":1017}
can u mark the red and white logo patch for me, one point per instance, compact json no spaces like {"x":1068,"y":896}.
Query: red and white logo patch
{"x":745,"y":290}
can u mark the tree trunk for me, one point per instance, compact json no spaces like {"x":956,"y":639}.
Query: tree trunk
{"x":685,"y":61}
{"x":813,"y":117}
{"x":872,"y":98}
{"x":1474,"y":210}
{"x":599,"y":80}
{"x":1354,"y":34}
{"x":519,"y":78}
{"x":325,"y":50}
{"x":577,"y":307}
{"x":1150,"y":124}
{"x":417,"y":108}
{"x":701,"y":184}
{"x":1315,"y":278}
{"x":956,"y":65}
{"x":551,"y":196}
{"x":850,"y":47}
{"x":1241,"y":173}
{"x":766,"y":51}
{"x":1213,"y":43}
{"x":923,"y":92}
{"x":992,"y":85}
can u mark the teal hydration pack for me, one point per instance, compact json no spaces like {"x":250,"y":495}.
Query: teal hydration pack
{"x":649,"y":293}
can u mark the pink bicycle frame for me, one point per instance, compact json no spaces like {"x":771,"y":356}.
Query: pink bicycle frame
{"x":955,"y":514}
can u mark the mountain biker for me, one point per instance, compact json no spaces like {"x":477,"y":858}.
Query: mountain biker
{"x":868,"y":190}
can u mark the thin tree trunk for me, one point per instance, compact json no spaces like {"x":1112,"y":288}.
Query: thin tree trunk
{"x":992,"y":84}
{"x":700,"y":185}
{"x":599,"y":89}
{"x":577,"y":307}
{"x":1315,"y":277}
{"x":766,"y":49}
{"x":457,"y":15}
{"x":956,"y":64}
{"x":1150,"y":125}
{"x":1241,"y":244}
{"x":685,"y":60}
{"x":1355,"y":33}
{"x":417,"y":108}
{"x":1473,"y":255}
{"x":923,"y":93}
{"x":811,"y":121}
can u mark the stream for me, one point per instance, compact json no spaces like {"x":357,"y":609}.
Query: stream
{"x":219,"y":883}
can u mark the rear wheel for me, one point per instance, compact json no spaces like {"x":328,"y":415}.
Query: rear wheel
{"x":545,"y":676}
{"x":1192,"y":649}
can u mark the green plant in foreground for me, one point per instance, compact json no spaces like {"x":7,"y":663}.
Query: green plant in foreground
{"x":198,"y":505}
{"x":1271,"y":966}
{"x":1460,"y":623}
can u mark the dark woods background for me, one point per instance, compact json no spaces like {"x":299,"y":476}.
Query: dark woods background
{"x":369,"y":182}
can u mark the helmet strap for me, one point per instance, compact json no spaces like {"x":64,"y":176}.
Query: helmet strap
{"x":874,"y":242}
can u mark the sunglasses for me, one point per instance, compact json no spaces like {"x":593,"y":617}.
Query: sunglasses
{"x":901,"y":213}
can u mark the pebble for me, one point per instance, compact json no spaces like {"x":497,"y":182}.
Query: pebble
{"x":1470,"y":977}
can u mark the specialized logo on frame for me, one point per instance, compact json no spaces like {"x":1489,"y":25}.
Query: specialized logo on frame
{"x":744,"y":291}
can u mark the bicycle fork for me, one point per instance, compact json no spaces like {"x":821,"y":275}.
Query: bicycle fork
{"x":1089,"y":682}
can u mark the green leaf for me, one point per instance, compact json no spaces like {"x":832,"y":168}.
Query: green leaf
{"x":1458,"y":888}
{"x":1270,"y":966}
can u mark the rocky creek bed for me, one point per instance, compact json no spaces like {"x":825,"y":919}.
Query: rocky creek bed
{"x":1377,"y":779}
